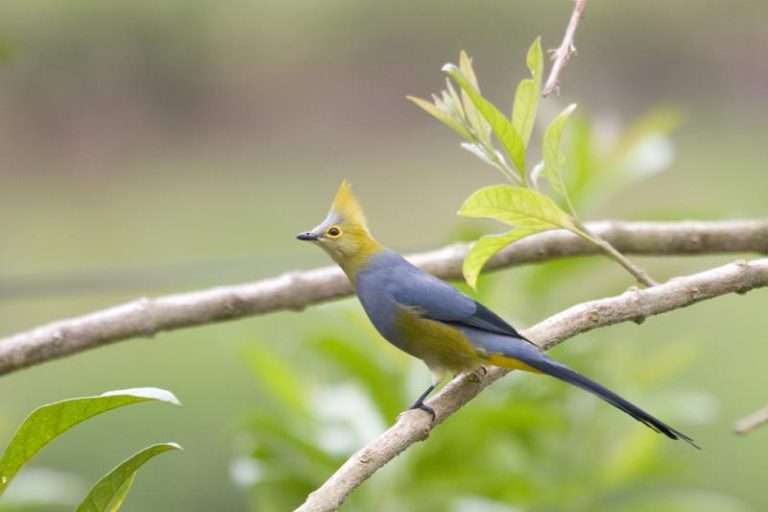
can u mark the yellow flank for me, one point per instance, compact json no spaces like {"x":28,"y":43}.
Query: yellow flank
{"x":509,"y":363}
{"x":442,"y":346}
{"x":437,"y":344}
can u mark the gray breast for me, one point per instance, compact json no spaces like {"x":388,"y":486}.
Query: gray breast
{"x":373,"y":284}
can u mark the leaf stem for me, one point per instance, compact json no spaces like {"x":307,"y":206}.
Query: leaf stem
{"x":493,"y":155}
{"x":610,"y":251}
{"x":572,"y":209}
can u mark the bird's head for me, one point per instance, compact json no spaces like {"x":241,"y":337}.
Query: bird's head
{"x":344,"y":233}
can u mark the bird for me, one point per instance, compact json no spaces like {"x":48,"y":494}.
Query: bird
{"x":431,"y":320}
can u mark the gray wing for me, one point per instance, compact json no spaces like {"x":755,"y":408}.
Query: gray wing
{"x":440,"y":301}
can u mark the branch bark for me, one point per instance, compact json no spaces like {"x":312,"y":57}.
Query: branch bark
{"x":567,"y":49}
{"x":296,"y":290}
{"x":751,"y":422}
{"x":633,"y":305}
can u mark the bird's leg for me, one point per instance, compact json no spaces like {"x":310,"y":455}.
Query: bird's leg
{"x":419,"y":403}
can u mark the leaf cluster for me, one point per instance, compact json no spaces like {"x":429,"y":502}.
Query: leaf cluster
{"x":521,"y":205}
{"x":538,"y":198}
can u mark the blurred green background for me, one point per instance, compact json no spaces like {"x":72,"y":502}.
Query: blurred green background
{"x":155,"y":147}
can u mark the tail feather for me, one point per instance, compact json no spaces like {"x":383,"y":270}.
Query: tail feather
{"x":556,"y":369}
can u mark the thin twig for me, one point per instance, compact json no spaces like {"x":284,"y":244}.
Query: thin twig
{"x":567,"y":49}
{"x":296,"y":290}
{"x":610,"y":251}
{"x":633,"y":305}
{"x":561,"y":56}
{"x":751,"y":422}
{"x":639,"y":274}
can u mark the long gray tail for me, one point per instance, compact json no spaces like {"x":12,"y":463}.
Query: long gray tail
{"x":562,"y":372}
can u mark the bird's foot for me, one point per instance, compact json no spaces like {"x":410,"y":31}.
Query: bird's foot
{"x":424,"y":407}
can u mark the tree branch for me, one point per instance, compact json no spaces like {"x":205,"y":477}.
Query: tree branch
{"x":633,"y":305}
{"x":567,"y":49}
{"x":296,"y":290}
{"x":751,"y":422}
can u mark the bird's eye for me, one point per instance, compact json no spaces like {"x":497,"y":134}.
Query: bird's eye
{"x":333,"y":232}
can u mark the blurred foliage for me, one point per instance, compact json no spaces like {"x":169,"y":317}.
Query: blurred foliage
{"x":44,"y":489}
{"x":529,"y":441}
{"x":6,"y":48}
{"x":604,"y":157}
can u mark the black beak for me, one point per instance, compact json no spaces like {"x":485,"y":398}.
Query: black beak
{"x":307,"y":235}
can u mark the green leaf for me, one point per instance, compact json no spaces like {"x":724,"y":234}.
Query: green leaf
{"x":49,"y":421}
{"x":470,"y":110}
{"x":506,"y":133}
{"x":553,"y":157}
{"x":443,"y":116}
{"x":585,"y":165}
{"x":528,"y":93}
{"x":454,"y":98}
{"x":487,"y":246}
{"x":524,"y":209}
{"x":121,"y":494}
{"x":515,"y":206}
{"x":108,"y":494}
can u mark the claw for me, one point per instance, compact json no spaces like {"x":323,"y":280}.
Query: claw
{"x":424,"y":407}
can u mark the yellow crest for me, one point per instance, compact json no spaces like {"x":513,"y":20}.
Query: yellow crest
{"x":346,"y":205}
